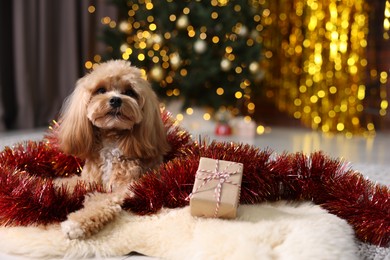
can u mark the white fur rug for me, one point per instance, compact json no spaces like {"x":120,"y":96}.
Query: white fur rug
{"x":266,"y":231}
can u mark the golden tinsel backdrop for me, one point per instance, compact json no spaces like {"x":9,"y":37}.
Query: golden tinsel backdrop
{"x":316,"y":62}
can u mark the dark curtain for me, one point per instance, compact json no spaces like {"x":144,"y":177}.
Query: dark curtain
{"x":43,"y":47}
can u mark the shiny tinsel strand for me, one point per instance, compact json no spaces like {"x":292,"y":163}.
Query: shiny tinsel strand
{"x":365,"y":205}
{"x":178,"y":138}
{"x":41,"y":159}
{"x":28,"y":200}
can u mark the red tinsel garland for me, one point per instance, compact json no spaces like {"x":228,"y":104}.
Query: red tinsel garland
{"x":27,"y":194}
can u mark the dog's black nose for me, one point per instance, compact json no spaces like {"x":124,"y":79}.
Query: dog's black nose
{"x":115,"y":102}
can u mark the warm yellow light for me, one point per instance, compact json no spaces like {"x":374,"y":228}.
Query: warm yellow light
{"x":386,"y":24}
{"x":152,"y":27}
{"x":191,"y":33}
{"x":334,"y":35}
{"x":297,"y":115}
{"x":343,"y":107}
{"x":183,"y":72}
{"x":387,"y":9}
{"x":333,"y":90}
{"x":150,"y":18}
{"x":112,"y":24}
{"x":189,"y":111}
{"x":340,"y":127}
{"x":97,"y":58}
{"x":88,"y":65}
{"x":231,"y":57}
{"x":247,"y":119}
{"x":361,"y":92}
{"x":142,"y":45}
{"x":176,"y":92}
{"x":179,"y":117}
{"x":260,"y":130}
{"x":251,"y":106}
{"x":355,"y":121}
{"x":136,"y":25}
{"x":268,"y":54}
{"x":312,"y":23}
{"x":317,"y":119}
{"x":106,"y":20}
{"x":297,"y":102}
{"x":91,"y":9}
{"x":125,"y":56}
{"x":370,"y":126}
{"x":313,"y":99}
{"x":220,"y":91}
{"x":353,"y":69}
{"x":141,"y":57}
{"x":143,"y":73}
{"x":238,"y":94}
{"x":206,"y":116}
{"x":149,"y":6}
{"x":384,"y":104}
{"x":321,"y":94}
{"x":150,"y":53}
{"x":186,"y":10}
{"x":302,"y":89}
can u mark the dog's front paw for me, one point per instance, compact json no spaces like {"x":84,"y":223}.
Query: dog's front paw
{"x":72,"y":229}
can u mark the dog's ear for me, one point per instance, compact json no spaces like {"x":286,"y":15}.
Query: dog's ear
{"x":76,"y":132}
{"x":148,"y":138}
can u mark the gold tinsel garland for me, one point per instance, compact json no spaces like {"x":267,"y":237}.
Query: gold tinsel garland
{"x":320,"y":48}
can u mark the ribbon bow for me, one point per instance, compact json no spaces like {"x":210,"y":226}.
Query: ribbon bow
{"x":223,"y":176}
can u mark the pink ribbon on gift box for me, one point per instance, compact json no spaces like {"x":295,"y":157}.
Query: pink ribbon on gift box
{"x":223,"y":177}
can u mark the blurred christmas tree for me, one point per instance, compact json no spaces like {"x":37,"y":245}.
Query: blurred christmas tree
{"x":205,"y":52}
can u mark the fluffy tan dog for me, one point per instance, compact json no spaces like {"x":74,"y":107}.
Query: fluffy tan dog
{"x":112,"y":120}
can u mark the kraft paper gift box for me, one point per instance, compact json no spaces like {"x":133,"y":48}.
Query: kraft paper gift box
{"x":217,"y":187}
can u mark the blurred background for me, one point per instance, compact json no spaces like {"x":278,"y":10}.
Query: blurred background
{"x":246,"y":65}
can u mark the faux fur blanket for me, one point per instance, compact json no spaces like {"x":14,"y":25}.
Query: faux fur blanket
{"x":280,"y":230}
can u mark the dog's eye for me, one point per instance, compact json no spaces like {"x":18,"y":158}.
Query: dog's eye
{"x":100,"y":90}
{"x":131,"y":93}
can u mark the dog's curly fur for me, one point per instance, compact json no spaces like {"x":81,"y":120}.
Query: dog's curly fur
{"x":112,"y":120}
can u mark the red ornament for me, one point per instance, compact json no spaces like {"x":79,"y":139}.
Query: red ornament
{"x":223,"y":129}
